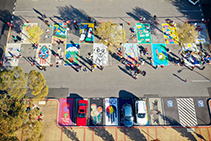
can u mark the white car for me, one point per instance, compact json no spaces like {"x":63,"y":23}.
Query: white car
{"x":194,"y":2}
{"x":141,"y":112}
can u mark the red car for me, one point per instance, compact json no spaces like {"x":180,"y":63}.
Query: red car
{"x":82,"y":112}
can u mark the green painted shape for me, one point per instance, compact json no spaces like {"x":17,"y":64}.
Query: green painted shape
{"x":143,"y":33}
{"x":65,"y":115}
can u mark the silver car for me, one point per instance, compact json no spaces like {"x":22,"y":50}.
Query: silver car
{"x":128,"y":115}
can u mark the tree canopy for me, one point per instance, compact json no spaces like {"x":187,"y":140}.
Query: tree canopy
{"x":34,"y":34}
{"x":187,"y":33}
{"x":16,"y":83}
{"x":15,"y":117}
{"x":111,"y":34}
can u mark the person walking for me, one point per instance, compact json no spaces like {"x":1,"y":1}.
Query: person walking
{"x":85,"y":69}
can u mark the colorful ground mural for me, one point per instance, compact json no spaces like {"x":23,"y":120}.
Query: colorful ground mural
{"x":86,"y":33}
{"x":25,"y":34}
{"x":111,"y":111}
{"x":143,"y":33}
{"x":131,"y":53}
{"x":43,"y":56}
{"x":160,"y":56}
{"x":100,"y":55}
{"x":65,"y":111}
{"x":96,"y":114}
{"x":59,"y":33}
{"x":96,"y":111}
{"x":203,"y":35}
{"x":192,"y":56}
{"x":170,"y":34}
{"x":71,"y":54}
{"x":12,"y":54}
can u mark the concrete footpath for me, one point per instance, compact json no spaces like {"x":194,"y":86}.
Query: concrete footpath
{"x":53,"y":132}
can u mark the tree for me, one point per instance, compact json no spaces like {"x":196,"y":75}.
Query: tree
{"x":36,"y":83}
{"x":16,"y":115}
{"x":34,"y":34}
{"x":16,"y":83}
{"x":187,"y":33}
{"x":112,"y":35}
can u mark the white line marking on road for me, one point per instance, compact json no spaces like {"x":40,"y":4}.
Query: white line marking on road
{"x":200,"y":9}
{"x":24,"y":11}
{"x":190,"y":11}
{"x":199,"y":5}
{"x":202,"y":14}
{"x":13,"y":12}
{"x":201,"y":80}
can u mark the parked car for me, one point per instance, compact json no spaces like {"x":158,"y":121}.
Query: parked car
{"x":82,"y":112}
{"x":128,"y":115}
{"x":141,"y":112}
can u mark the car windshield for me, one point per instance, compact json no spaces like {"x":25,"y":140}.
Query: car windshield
{"x":81,"y":115}
{"x":82,"y":104}
{"x":128,"y":118}
{"x":141,"y":115}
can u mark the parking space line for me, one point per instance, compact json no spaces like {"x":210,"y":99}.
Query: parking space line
{"x":84,"y":133}
{"x":156,"y":133}
{"x":61,"y":133}
{"x":116,"y":133}
{"x":92,"y":134}
{"x":124,"y":134}
{"x":147,"y":133}
{"x":208,"y":133}
{"x":200,"y":133}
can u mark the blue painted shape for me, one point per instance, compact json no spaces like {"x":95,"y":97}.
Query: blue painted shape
{"x":159,"y":49}
{"x":200,"y":103}
{"x":170,"y":103}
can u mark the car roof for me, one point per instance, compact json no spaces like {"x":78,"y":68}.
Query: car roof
{"x":128,"y":110}
{"x":141,"y":106}
{"x":83,"y":101}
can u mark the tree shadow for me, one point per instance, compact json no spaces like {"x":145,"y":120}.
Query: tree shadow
{"x":5,"y":16}
{"x":184,"y":4}
{"x":182,"y":130}
{"x":138,"y":13}
{"x":38,"y":12}
{"x":103,"y":133}
{"x":72,"y":13}
{"x":126,"y":94}
{"x":70,"y":133}
{"x":133,"y":133}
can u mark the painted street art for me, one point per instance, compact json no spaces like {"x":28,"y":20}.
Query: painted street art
{"x":111,"y":111}
{"x":143,"y":33}
{"x":203,"y":34}
{"x":12,"y":54}
{"x":25,"y":34}
{"x":59,"y":33}
{"x":96,"y":111}
{"x":71,"y":54}
{"x":86,"y":33}
{"x":100,"y":56}
{"x":96,"y":114}
{"x":131,"y":53}
{"x":65,"y":111}
{"x":160,"y":56}
{"x":43,"y":56}
{"x":170,"y":33}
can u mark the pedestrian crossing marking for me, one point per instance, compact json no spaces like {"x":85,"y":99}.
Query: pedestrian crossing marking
{"x":186,"y":110}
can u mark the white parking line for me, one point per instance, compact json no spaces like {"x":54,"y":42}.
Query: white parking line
{"x":201,"y":80}
{"x":188,"y":11}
